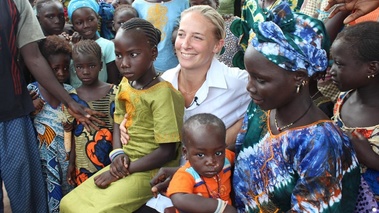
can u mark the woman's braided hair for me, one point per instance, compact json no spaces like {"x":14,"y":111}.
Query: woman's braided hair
{"x":153,"y":34}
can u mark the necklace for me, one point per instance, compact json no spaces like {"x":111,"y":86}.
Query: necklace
{"x":217,"y":179}
{"x":292,"y":123}
{"x":155,"y":77}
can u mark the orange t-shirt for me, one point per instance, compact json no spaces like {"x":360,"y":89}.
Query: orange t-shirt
{"x":187,"y":180}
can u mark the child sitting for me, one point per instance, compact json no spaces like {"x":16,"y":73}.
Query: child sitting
{"x":203,"y":184}
{"x":155,"y":115}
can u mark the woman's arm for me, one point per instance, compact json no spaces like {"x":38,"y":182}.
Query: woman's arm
{"x":231,"y":134}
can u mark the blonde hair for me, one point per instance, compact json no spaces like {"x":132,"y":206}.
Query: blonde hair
{"x":212,"y":15}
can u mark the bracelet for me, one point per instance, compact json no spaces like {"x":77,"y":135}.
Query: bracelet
{"x":221,"y":205}
{"x":116,"y":152}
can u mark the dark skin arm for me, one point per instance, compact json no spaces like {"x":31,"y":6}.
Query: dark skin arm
{"x":41,"y":70}
{"x":359,"y":8}
{"x":334,"y":25}
{"x":71,"y":174}
{"x":113,"y":73}
{"x":364,"y":151}
{"x":195,"y":203}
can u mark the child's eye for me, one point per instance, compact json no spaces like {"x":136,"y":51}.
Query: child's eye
{"x":133,"y":55}
{"x":78,"y":67}
{"x":92,"y":66}
{"x":218,"y":153}
{"x":50,"y":17}
{"x":259,"y":80}
{"x":200,"y":155}
{"x":118,"y":56}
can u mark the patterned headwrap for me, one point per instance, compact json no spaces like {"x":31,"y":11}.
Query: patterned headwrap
{"x":76,"y":4}
{"x":293,"y":41}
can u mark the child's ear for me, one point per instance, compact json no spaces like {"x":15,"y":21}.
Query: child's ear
{"x":154,"y":52}
{"x":373,"y":68}
{"x":184,"y":152}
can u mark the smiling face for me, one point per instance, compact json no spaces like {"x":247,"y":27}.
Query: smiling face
{"x":134,"y":55}
{"x":196,"y":43}
{"x":269,"y":85}
{"x":85,"y":22}
{"x":205,"y":150}
{"x":87,"y":67}
{"x":51,"y":17}
{"x":347,"y":71}
{"x":60,"y":64}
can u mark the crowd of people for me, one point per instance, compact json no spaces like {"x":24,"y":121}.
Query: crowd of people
{"x":217,"y":105}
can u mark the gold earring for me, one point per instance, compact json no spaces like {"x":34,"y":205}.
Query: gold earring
{"x":303,"y":83}
{"x":298,"y":88}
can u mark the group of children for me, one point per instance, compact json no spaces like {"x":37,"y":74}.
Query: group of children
{"x":95,"y":66}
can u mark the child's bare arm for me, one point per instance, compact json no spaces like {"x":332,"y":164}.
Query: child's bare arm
{"x":156,"y":159}
{"x":196,"y":203}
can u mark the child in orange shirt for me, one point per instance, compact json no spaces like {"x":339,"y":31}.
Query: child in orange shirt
{"x":204,"y":182}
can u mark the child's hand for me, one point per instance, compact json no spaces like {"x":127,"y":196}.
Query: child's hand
{"x":76,"y":37}
{"x":71,"y":175}
{"x":38,"y":105}
{"x":363,"y":149}
{"x":119,"y":166}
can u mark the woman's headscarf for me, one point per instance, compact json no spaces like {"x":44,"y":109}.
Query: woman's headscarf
{"x":293,"y":41}
{"x":76,"y":4}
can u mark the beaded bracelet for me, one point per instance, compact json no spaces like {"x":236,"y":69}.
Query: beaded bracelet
{"x":116,"y":152}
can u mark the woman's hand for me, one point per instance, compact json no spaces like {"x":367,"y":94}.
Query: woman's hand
{"x":358,"y":8}
{"x":119,"y":166}
{"x":76,"y":37}
{"x":124,"y":132}
{"x":85,"y":116}
{"x":162,"y":179}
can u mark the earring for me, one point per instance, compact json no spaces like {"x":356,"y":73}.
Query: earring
{"x":303,"y":83}
{"x":298,"y":88}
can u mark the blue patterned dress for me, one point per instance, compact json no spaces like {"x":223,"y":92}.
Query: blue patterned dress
{"x":310,"y":168}
{"x":54,"y":158}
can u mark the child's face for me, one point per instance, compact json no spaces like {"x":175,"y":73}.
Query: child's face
{"x":85,"y":22}
{"x":51,"y":18}
{"x":117,"y":3}
{"x":121,"y":18}
{"x":134,"y":55}
{"x":347,"y":71}
{"x":87,"y":67}
{"x":60,"y":64}
{"x":205,"y":150}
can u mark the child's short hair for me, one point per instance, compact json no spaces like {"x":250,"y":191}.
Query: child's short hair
{"x":153,"y":34}
{"x":39,"y":4}
{"x":53,"y":45}
{"x":87,"y":47}
{"x":126,"y":7}
{"x":201,"y":120}
{"x":364,"y":40}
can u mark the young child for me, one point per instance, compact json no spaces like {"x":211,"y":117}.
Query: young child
{"x":163,"y":14}
{"x":84,"y":18}
{"x":154,"y":118}
{"x":355,"y":71}
{"x":50,"y":16}
{"x":203,"y":184}
{"x":90,"y":150}
{"x":50,"y":130}
{"x":122,"y":14}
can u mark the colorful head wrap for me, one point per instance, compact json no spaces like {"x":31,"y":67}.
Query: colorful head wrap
{"x":76,"y":4}
{"x":293,"y":41}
